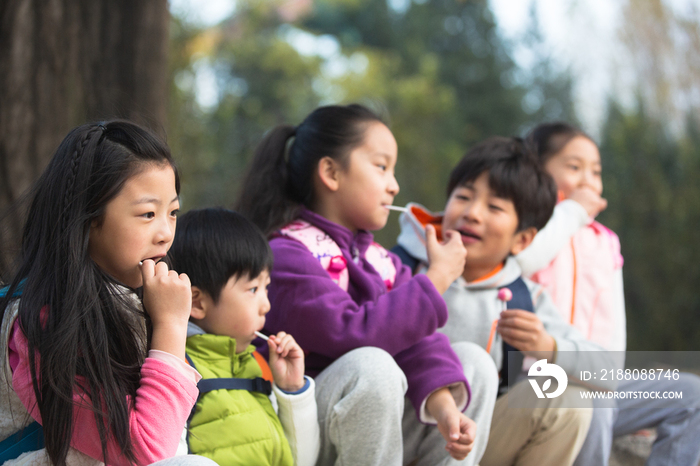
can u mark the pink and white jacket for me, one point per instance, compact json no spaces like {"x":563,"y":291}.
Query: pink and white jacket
{"x":164,"y":399}
{"x":584,"y":278}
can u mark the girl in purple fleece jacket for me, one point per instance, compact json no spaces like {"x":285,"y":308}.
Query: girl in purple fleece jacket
{"x":367,"y":325}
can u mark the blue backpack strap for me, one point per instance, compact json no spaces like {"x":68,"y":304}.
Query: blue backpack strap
{"x":190,"y":361}
{"x":31,"y":438}
{"x":194,"y":408}
{"x":257,"y":384}
{"x":521,"y":300}
{"x":405,"y":257}
{"x":18,"y":291}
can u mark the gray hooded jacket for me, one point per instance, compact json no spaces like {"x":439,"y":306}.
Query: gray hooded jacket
{"x":473,"y":308}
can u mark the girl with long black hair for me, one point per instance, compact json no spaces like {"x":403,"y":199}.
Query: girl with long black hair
{"x":100,"y":368}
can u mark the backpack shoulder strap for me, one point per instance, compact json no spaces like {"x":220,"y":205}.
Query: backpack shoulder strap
{"x":382,"y":263}
{"x":405,"y":257}
{"x":521,"y":300}
{"x":31,"y":438}
{"x":258,"y":384}
{"x":266,"y":372}
{"x":15,"y":294}
{"x":521,"y":296}
{"x":322,"y":247}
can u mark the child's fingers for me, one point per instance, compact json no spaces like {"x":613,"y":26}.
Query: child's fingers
{"x":272,"y":345}
{"x":460,"y":448}
{"x":450,"y":428}
{"x":454,"y":242}
{"x":522,"y":330}
{"x":518,"y":319}
{"x":514,"y":334}
{"x":469,"y":432}
{"x":430,"y":235}
{"x":458,"y":451}
{"x":519,"y":337}
{"x":447,"y":235}
{"x":162,"y":268}
{"x":286,"y":344}
{"x":148,"y":269}
{"x":451,"y":236}
{"x":589,"y":199}
{"x":515,"y":323}
{"x":516,"y":313}
{"x":278,"y":339}
{"x":524,"y":340}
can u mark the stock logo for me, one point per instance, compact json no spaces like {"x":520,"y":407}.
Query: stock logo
{"x":542,"y":369}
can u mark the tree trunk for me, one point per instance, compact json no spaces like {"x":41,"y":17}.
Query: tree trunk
{"x":65,"y":62}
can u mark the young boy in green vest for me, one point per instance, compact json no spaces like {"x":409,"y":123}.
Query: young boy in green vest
{"x":235,"y":421}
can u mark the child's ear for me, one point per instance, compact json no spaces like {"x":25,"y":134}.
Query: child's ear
{"x":199,"y":303}
{"x":522,"y":240}
{"x":328,"y":171}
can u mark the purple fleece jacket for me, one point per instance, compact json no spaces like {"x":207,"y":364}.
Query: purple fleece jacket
{"x":327,"y":322}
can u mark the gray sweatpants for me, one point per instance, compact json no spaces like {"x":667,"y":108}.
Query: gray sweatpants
{"x":366,"y":420}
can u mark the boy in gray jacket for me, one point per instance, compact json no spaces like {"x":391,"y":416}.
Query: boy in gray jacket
{"x":498,"y":199}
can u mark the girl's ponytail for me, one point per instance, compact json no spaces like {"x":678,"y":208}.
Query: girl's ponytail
{"x":264,"y":197}
{"x":280,"y":180}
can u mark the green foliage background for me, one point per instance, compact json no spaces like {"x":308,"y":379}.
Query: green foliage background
{"x":445,"y":79}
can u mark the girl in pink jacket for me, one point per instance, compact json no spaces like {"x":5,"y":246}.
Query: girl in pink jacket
{"x":578,"y":262}
{"x":576,"y":258}
{"x":101,"y":368}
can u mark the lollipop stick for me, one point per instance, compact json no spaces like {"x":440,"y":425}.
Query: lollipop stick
{"x":264,"y":337}
{"x":396,"y":208}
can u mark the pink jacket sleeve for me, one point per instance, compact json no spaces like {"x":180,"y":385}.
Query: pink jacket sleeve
{"x":163,"y":403}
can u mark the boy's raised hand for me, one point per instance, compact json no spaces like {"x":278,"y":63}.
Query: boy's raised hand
{"x":524,"y":331}
{"x":457,"y":429}
{"x":589,"y":200}
{"x":167,"y":298}
{"x":446,"y":259}
{"x":286,"y":362}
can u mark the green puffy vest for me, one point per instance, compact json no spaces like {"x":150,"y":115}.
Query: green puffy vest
{"x":233,"y":427}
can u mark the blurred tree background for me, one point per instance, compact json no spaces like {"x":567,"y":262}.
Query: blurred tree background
{"x":65,"y":62}
{"x":441,"y":71}
{"x":445,"y":78}
{"x":651,"y":174}
{"x":437,"y":69}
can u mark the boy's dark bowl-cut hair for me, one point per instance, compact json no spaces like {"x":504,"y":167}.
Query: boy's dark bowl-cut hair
{"x":514,"y":174}
{"x":212,"y":245}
